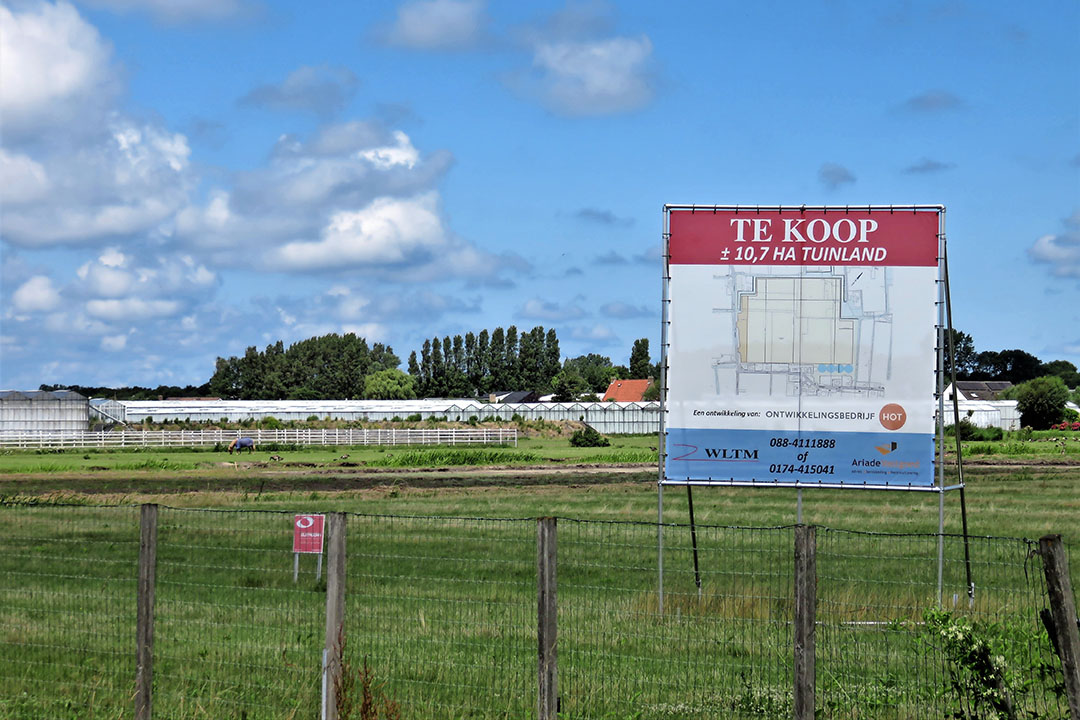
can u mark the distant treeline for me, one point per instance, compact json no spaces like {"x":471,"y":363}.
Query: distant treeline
{"x":1015,"y":366}
{"x":331,"y":367}
{"x":342,"y":367}
{"x":480,"y":364}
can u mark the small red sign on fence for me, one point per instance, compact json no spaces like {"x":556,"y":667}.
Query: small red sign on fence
{"x":308,"y":533}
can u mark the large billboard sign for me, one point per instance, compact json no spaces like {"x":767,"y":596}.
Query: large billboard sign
{"x":801,"y":346}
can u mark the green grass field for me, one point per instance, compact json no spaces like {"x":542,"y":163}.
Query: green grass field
{"x":441,"y":590}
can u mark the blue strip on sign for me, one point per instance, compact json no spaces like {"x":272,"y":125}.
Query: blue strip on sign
{"x":770,"y":457}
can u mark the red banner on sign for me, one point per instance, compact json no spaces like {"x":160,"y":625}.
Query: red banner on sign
{"x":877,"y":238}
{"x":308,"y":533}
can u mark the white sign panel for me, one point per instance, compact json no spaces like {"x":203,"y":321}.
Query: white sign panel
{"x":801,"y":346}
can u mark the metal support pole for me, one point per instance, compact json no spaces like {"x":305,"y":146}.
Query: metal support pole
{"x":660,"y":548}
{"x":693,"y":539}
{"x":941,"y":406}
{"x":956,"y":428}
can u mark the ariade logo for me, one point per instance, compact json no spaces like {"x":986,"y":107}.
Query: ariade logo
{"x":885,"y":449}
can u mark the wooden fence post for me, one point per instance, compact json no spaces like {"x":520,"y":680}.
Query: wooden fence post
{"x":1063,"y":609}
{"x":335,"y":614}
{"x":144,"y":622}
{"x":546,"y":617}
{"x":805,"y":617}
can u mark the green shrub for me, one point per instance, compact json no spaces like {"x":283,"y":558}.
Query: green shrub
{"x":588,"y":437}
{"x":415,"y":417}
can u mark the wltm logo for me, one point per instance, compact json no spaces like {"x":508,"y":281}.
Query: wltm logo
{"x":885,"y":449}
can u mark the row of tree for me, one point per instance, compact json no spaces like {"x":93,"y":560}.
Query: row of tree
{"x":1015,"y":366}
{"x":476,"y":364}
{"x":328,"y":367}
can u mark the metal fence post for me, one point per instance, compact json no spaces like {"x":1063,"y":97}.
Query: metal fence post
{"x":546,"y":616}
{"x":805,"y":615}
{"x":1063,"y":609}
{"x":144,"y":622}
{"x":335,"y":614}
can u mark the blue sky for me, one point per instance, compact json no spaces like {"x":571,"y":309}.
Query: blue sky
{"x":181,"y":179}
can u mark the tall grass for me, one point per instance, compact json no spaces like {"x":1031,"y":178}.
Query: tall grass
{"x":449,"y":457}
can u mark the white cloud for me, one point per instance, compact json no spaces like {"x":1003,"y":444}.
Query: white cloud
{"x":36,"y":295}
{"x":55,"y":68}
{"x":131,"y":181}
{"x":113,"y":343}
{"x":401,"y":152}
{"x":594,"y":77}
{"x":438,"y":24}
{"x":1060,"y":251}
{"x":387,"y":232}
{"x":179,"y":11}
{"x":536,"y":309}
{"x":600,"y":334}
{"x":22,"y":179}
{"x":131,"y":308}
{"x":323,"y":90}
{"x":624,"y":311}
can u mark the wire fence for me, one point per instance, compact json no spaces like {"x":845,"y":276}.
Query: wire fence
{"x":298,"y":436}
{"x":440,"y":620}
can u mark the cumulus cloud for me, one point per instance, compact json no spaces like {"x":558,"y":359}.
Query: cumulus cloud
{"x":1061,"y":251}
{"x":322,"y":90}
{"x":387,"y":232}
{"x":401,"y":238}
{"x":36,"y":295}
{"x":537,"y":309}
{"x":22,"y":179}
{"x":438,"y":25}
{"x":602,"y":217}
{"x":610,"y":258}
{"x":833,"y":176}
{"x":933,"y":101}
{"x":180,"y":11}
{"x":131,"y":308}
{"x":113,"y":343}
{"x":926,"y":166}
{"x":599,"y":334}
{"x":593,"y":77}
{"x":135,"y":178}
{"x":56,"y":69}
{"x":625,"y":311}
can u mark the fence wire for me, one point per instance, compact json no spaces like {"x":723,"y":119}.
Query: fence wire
{"x":441,"y":620}
{"x":886,"y":649}
{"x":235,"y":637}
{"x":442,"y":612}
{"x":723,"y":650}
{"x":67,"y":611}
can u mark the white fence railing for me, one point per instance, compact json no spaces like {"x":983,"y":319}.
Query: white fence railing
{"x":188,"y":438}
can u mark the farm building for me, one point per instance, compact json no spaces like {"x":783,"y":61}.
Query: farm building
{"x":609,"y":417}
{"x":42,"y":411}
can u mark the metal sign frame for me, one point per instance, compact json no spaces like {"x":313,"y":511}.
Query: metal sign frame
{"x":942,"y":324}
{"x":798,"y":480}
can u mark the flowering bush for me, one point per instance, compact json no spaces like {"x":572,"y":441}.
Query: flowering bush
{"x":1067,"y":426}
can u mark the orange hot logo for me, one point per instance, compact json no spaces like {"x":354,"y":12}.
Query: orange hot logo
{"x":893,"y":416}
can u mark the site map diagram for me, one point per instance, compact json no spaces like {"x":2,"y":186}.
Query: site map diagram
{"x":804,"y":332}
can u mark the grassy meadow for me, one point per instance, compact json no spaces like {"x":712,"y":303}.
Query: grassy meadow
{"x":441,"y":584}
